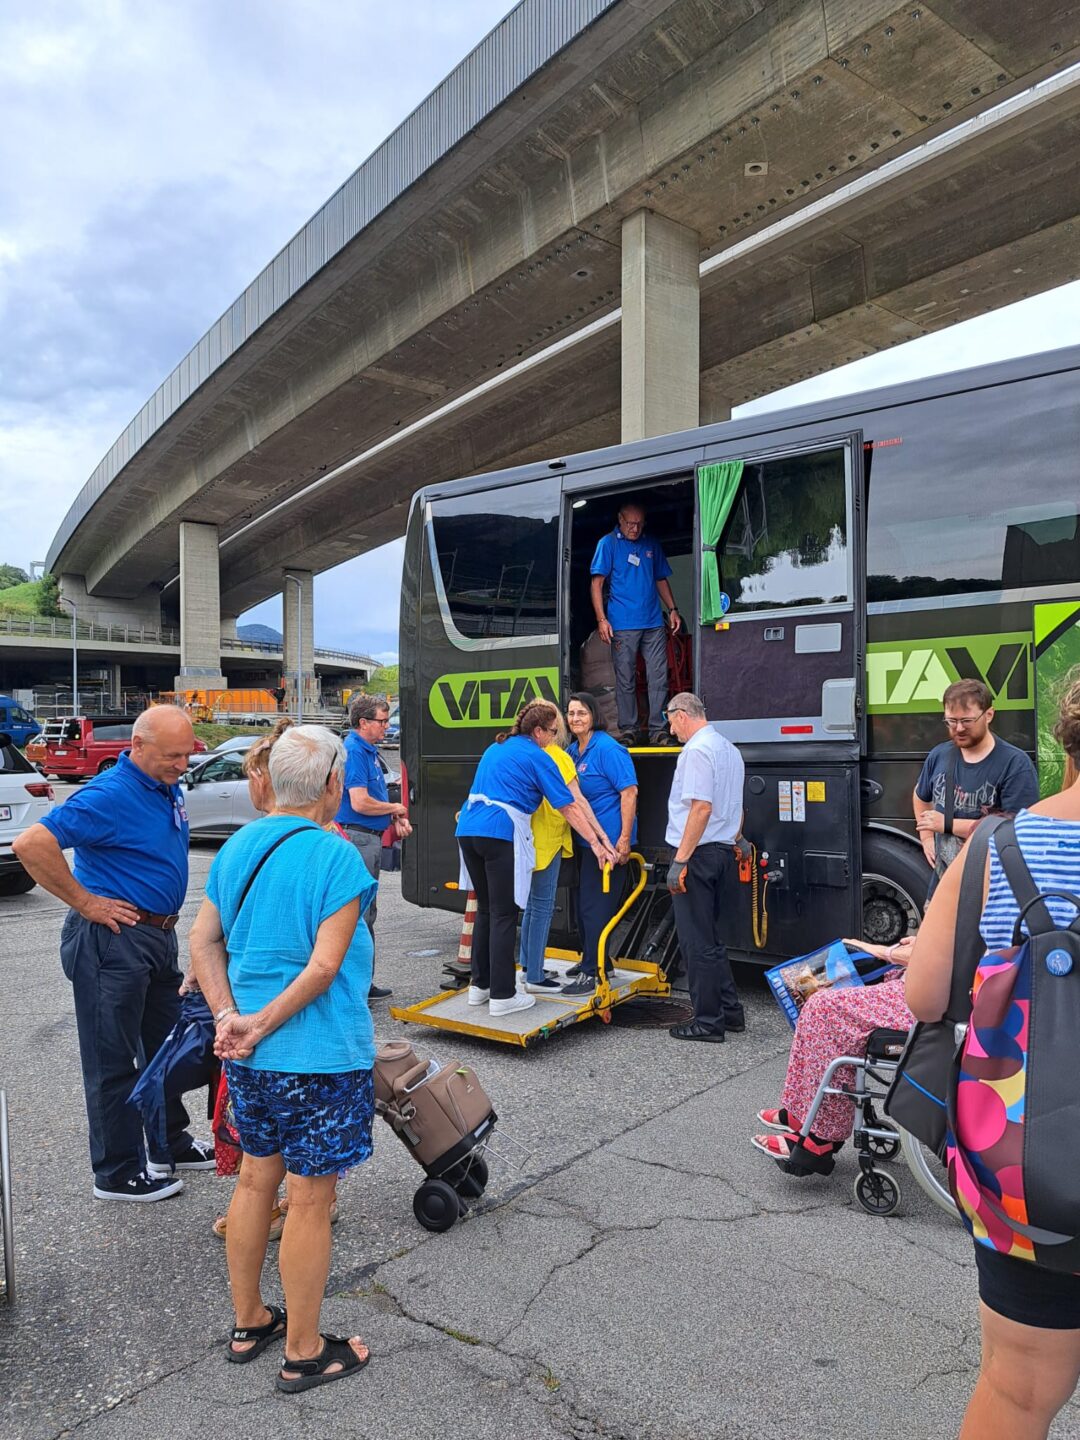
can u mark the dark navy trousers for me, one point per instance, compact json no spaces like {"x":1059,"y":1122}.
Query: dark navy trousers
{"x":126,"y":1002}
{"x":710,"y":890}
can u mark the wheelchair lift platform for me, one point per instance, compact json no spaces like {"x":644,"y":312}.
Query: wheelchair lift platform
{"x":626,"y":979}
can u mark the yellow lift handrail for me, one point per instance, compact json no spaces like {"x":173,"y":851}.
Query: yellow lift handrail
{"x":601,"y":999}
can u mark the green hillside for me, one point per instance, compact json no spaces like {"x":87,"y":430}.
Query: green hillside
{"x":34,"y":597}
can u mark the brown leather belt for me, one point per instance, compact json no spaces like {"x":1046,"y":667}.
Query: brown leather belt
{"x":160,"y":922}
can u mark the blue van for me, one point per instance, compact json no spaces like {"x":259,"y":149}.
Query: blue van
{"x":17,"y":725}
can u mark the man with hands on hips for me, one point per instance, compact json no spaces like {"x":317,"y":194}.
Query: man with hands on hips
{"x":705,"y":811}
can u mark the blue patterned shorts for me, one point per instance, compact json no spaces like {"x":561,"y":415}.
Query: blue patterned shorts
{"x":318,"y":1124}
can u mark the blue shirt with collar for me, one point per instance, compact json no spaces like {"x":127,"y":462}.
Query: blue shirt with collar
{"x":604,"y":772}
{"x":632,"y":568}
{"x":130,"y":837}
{"x":362,"y":768}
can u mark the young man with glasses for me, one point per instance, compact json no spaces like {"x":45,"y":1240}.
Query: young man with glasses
{"x":366,"y":809}
{"x":986,"y":775}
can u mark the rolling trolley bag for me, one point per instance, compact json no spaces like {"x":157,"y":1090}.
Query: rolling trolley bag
{"x":443,"y":1116}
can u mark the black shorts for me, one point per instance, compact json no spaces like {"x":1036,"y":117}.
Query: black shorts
{"x":1026,"y":1293}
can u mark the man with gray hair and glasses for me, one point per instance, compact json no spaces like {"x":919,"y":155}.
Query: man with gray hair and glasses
{"x":705,"y":812}
{"x":366,"y":809}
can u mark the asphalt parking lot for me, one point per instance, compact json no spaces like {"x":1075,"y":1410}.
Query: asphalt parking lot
{"x":638,"y":1272}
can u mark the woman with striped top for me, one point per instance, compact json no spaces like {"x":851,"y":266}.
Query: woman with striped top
{"x":1030,"y":1317}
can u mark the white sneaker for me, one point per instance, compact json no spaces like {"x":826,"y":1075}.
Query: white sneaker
{"x":478,"y":996}
{"x":508,"y":1006}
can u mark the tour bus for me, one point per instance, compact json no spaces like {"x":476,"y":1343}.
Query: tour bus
{"x":837,"y":566}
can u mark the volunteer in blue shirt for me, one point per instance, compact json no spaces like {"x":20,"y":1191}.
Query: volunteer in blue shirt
{"x":609,"y":783}
{"x":494,"y":833}
{"x":633,"y":570}
{"x":129,"y":831}
{"x":285,"y":966}
{"x":366,"y":810}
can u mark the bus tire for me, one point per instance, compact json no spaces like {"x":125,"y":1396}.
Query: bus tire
{"x":894,"y":880}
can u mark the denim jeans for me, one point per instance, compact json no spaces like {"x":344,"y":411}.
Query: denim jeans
{"x":536,"y":921}
{"x":126,"y":1002}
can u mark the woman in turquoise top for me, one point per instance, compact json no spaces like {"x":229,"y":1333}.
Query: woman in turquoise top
{"x":285,"y":967}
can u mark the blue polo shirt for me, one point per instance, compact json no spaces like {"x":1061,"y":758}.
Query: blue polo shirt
{"x":362,"y":768}
{"x":603,"y":772}
{"x":632,"y":568}
{"x":518,"y":773}
{"x":130,"y":837}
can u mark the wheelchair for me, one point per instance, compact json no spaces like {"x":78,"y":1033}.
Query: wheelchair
{"x":7,"y":1275}
{"x":877,"y":1190}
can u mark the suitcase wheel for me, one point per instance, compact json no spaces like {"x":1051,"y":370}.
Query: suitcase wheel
{"x":469,"y":1178}
{"x":436,"y":1205}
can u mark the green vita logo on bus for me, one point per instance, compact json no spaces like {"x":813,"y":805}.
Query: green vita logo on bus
{"x":492,"y":697}
{"x":909,"y":677}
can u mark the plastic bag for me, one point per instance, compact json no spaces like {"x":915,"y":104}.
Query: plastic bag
{"x":835,"y":966}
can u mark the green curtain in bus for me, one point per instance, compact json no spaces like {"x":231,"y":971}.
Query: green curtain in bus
{"x":717,"y":487}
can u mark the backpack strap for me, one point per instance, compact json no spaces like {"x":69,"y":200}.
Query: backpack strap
{"x":950,"y":790}
{"x":1025,"y":892}
{"x":968,"y":947}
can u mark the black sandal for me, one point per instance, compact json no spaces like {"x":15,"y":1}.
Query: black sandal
{"x":263,"y":1335}
{"x":336,"y":1351}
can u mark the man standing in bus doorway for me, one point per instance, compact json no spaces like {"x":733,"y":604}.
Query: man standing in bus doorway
{"x":985,"y":775}
{"x":705,"y":812}
{"x":366,"y":809}
{"x":634,"y":570}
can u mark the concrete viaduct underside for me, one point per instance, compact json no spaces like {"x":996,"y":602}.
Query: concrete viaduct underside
{"x":689,"y":204}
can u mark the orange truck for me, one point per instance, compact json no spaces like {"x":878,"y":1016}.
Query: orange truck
{"x":240,"y":707}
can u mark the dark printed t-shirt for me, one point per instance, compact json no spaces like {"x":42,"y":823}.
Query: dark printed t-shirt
{"x":1004,"y":781}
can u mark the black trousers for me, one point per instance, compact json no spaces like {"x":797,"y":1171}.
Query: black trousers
{"x":595,"y":908}
{"x":710,"y":883}
{"x":490,"y":864}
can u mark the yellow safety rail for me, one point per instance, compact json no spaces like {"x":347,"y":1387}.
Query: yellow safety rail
{"x":601,"y":1000}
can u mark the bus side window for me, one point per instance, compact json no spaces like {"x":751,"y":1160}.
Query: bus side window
{"x":498,"y":556}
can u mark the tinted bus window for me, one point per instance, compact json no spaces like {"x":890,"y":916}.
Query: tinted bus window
{"x":498,"y":559}
{"x":785,"y":543}
{"x":975,"y":492}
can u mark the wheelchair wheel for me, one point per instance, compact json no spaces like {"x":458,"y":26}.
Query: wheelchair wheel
{"x":436,"y":1205}
{"x":877,"y":1192}
{"x":883,"y":1149}
{"x":930,"y":1174}
{"x":7,"y":1279}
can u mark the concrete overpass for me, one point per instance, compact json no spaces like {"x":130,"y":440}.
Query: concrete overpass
{"x":616,"y":217}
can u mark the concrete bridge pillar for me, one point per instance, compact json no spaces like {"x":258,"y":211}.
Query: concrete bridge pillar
{"x":298,"y":647}
{"x":660,"y":325}
{"x":200,"y":610}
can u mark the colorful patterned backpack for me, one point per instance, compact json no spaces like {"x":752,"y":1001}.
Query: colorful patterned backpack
{"x":1014,"y":1104}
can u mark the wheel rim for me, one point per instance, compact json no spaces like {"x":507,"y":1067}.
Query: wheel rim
{"x":927,"y":1177}
{"x":889,"y":910}
{"x":877,"y":1192}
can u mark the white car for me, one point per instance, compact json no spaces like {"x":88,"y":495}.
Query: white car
{"x":25,"y":797}
{"x":217,"y":801}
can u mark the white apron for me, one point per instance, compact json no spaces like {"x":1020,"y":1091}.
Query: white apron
{"x":524,"y":850}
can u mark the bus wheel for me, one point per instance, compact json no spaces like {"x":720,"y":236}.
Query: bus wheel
{"x":894,"y":881}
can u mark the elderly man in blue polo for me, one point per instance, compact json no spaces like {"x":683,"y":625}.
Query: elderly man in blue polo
{"x":631,"y":569}
{"x":129,"y":831}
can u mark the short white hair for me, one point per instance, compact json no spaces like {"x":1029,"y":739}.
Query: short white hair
{"x":688,"y":703}
{"x":301,"y":763}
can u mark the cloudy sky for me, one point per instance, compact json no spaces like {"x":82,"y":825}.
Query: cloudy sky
{"x":154,"y":157}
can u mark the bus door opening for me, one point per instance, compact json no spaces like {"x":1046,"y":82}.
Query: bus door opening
{"x":780,"y":669}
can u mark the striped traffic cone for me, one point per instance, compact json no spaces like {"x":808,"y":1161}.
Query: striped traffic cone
{"x":459,"y":972}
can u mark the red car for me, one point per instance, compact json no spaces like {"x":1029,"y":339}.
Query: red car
{"x":86,"y":745}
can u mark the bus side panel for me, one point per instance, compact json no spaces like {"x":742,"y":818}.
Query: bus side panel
{"x":408,"y":680}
